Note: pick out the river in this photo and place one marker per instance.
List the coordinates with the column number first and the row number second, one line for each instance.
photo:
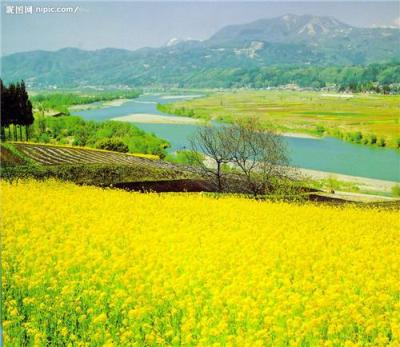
column 325, row 154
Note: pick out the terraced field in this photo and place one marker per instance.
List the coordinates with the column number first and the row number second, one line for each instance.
column 87, row 166
column 56, row 155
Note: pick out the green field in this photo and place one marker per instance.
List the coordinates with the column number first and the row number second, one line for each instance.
column 317, row 113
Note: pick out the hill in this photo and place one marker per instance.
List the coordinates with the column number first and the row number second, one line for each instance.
column 287, row 41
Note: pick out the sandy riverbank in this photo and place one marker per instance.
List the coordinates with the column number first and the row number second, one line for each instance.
column 115, row 102
column 99, row 105
column 168, row 97
column 301, row 136
column 156, row 119
column 364, row 183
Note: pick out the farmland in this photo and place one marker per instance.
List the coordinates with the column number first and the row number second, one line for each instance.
column 85, row 165
column 315, row 113
column 116, row 268
column 54, row 155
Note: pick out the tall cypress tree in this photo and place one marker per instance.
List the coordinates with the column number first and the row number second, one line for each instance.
column 13, row 108
column 26, row 109
column 16, row 110
column 4, row 113
column 20, row 108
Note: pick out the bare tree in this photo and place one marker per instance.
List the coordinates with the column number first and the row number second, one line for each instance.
column 260, row 154
column 257, row 158
column 211, row 141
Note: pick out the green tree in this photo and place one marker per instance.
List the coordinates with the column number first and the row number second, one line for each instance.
column 12, row 108
column 25, row 110
column 4, row 114
column 16, row 110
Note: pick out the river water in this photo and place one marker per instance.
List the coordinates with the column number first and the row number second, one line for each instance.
column 325, row 154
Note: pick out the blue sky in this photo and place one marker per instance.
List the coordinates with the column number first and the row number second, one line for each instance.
column 131, row 25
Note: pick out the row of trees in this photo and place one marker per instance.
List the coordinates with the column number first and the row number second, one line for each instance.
column 242, row 157
column 378, row 78
column 61, row 102
column 16, row 111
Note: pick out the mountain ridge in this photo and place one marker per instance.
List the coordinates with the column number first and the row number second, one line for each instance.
column 288, row 40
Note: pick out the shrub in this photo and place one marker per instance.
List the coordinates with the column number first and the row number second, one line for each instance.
column 381, row 142
column 372, row 139
column 89, row 133
column 355, row 137
column 320, row 130
column 44, row 138
column 113, row 144
column 63, row 141
column 96, row 174
column 396, row 190
column 183, row 157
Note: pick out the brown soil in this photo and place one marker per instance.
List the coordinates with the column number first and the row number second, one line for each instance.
column 181, row 185
column 8, row 158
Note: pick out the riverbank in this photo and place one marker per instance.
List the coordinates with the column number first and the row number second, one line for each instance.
column 182, row 97
column 99, row 105
column 358, row 118
column 300, row 136
column 363, row 183
column 312, row 151
column 156, row 119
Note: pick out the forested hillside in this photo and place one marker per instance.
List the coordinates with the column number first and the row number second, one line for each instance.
column 304, row 50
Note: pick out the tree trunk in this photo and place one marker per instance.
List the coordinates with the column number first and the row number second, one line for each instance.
column 3, row 134
column 219, row 177
column 15, row 132
column 27, row 133
column 20, row 132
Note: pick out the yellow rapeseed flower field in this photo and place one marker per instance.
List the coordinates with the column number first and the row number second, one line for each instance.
column 84, row 266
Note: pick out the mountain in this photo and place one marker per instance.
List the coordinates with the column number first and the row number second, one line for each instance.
column 318, row 40
column 286, row 41
column 288, row 28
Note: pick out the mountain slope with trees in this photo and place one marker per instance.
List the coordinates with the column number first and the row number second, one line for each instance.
column 266, row 47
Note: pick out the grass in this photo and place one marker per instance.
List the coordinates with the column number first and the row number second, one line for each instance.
column 333, row 184
column 396, row 191
column 313, row 113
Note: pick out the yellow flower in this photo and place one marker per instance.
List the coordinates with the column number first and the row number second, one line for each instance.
column 101, row 318
column 108, row 267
